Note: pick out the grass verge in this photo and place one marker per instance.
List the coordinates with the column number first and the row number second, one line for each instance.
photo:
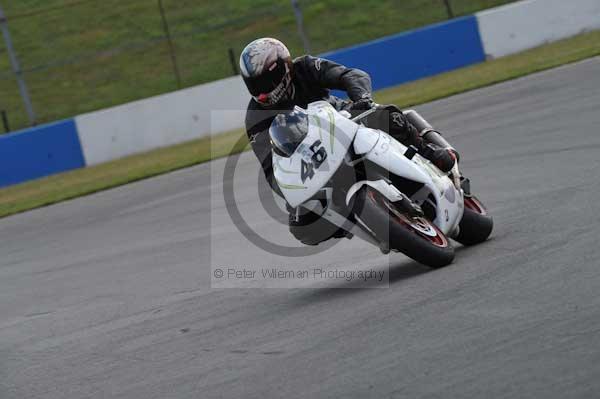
column 80, row 182
column 82, row 55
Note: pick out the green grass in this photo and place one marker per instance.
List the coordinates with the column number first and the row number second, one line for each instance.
column 99, row 53
column 79, row 182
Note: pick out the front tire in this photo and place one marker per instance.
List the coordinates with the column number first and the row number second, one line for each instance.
column 476, row 224
column 414, row 236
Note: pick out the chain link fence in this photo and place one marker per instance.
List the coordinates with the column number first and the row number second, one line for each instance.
column 81, row 55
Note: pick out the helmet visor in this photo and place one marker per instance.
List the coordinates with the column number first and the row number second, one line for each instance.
column 267, row 81
column 287, row 131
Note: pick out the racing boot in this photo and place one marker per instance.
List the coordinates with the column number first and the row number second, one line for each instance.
column 443, row 158
column 430, row 144
column 311, row 229
column 405, row 128
column 431, row 136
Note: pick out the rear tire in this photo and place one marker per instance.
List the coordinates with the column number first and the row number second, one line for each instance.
column 476, row 225
column 415, row 237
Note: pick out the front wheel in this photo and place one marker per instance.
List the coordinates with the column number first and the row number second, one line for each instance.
column 476, row 224
column 414, row 236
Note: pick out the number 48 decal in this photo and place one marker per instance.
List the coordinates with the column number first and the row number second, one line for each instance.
column 307, row 170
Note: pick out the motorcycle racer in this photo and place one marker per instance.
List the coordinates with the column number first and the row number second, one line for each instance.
column 277, row 84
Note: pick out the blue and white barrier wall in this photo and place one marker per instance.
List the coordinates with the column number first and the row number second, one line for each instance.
column 160, row 121
column 185, row 115
column 526, row 24
column 39, row 152
column 416, row 54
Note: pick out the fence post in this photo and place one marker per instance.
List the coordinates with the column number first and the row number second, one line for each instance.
column 234, row 67
column 16, row 68
column 449, row 9
column 161, row 9
column 300, row 23
column 5, row 121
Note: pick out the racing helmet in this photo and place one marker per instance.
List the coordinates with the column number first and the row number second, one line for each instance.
column 266, row 67
column 287, row 131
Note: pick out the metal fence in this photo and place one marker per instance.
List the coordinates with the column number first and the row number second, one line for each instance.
column 70, row 57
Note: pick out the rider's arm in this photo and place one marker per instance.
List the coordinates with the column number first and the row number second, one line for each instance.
column 331, row 75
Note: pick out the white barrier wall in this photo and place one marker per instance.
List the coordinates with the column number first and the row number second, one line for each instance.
column 161, row 121
column 526, row 24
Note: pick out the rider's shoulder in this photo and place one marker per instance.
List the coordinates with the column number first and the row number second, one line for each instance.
column 304, row 61
column 253, row 113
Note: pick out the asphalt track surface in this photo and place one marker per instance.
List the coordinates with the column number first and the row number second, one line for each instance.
column 110, row 295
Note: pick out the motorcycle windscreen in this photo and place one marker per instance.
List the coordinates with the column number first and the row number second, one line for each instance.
column 316, row 158
column 287, row 131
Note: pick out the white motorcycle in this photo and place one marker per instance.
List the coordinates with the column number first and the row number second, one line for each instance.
column 364, row 181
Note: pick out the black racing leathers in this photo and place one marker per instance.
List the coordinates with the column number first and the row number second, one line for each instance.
column 312, row 79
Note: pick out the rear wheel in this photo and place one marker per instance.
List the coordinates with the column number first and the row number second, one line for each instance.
column 476, row 225
column 415, row 236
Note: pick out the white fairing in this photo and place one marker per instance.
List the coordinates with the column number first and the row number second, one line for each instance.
column 331, row 132
column 296, row 176
column 389, row 154
column 388, row 190
column 365, row 140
